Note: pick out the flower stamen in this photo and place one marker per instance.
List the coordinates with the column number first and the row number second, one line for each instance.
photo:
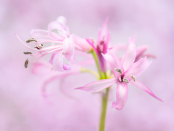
column 26, row 63
column 37, row 47
column 132, row 76
column 31, row 40
column 118, row 70
column 125, row 80
column 26, row 53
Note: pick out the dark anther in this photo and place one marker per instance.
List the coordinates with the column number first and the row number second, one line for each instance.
column 26, row 53
column 26, row 63
column 37, row 47
column 30, row 40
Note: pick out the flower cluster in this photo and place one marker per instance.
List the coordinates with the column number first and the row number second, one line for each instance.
column 62, row 46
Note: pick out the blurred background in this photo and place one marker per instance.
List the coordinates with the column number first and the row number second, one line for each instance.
column 22, row 107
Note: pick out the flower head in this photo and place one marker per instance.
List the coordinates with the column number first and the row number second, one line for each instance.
column 62, row 47
column 102, row 44
column 125, row 72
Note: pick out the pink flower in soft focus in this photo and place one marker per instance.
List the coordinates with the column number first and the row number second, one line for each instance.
column 102, row 44
column 64, row 50
column 43, row 69
column 125, row 71
column 57, row 33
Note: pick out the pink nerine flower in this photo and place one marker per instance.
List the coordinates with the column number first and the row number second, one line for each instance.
column 62, row 44
column 102, row 44
column 65, row 50
column 125, row 71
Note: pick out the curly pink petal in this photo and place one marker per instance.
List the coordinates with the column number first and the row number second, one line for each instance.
column 67, row 66
column 40, row 35
column 92, row 45
column 52, row 57
column 144, row 88
column 62, row 29
column 137, row 68
column 113, row 62
column 41, row 68
column 55, row 76
column 56, row 36
column 130, row 55
column 106, row 44
column 97, row 85
column 103, row 32
column 140, row 52
column 58, row 62
column 82, row 43
column 68, row 48
column 61, row 19
column 121, row 96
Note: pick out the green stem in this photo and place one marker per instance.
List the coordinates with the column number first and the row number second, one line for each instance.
column 97, row 64
column 104, row 110
column 103, row 75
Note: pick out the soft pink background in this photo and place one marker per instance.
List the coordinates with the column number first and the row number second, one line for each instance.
column 22, row 108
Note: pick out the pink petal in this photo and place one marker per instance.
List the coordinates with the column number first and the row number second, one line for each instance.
column 97, row 85
column 138, row 68
column 130, row 55
column 140, row 52
column 106, row 44
column 62, row 29
column 56, row 36
column 113, row 62
column 56, row 76
column 40, row 35
column 66, row 66
column 144, row 88
column 52, row 57
column 103, row 32
column 82, row 43
column 41, row 68
column 58, row 64
column 61, row 19
column 68, row 48
column 92, row 45
column 103, row 36
column 121, row 96
column 117, row 48
column 149, row 56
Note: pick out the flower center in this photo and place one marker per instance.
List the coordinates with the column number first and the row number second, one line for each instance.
column 122, row 79
column 100, row 46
